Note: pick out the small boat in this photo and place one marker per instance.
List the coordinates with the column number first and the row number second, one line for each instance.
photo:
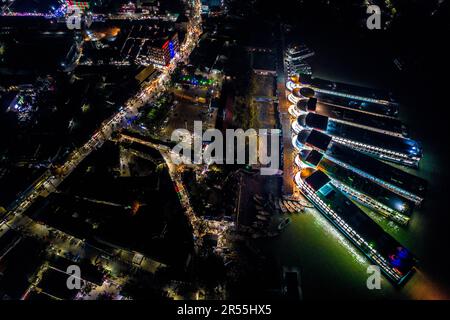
column 258, row 201
column 282, row 207
column 292, row 288
column 297, row 207
column 299, row 201
column 288, row 207
column 276, row 204
column 283, row 224
column 398, row 64
column 258, row 225
column 264, row 213
column 260, row 217
column 257, row 197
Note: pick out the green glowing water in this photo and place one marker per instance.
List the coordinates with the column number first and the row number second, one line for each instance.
column 332, row 268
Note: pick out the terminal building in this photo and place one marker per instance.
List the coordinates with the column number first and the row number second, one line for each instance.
column 395, row 261
column 398, row 181
column 149, row 45
column 295, row 59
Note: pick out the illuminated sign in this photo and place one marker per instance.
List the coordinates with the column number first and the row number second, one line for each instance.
column 83, row 5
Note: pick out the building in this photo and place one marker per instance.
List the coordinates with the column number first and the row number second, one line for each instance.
column 146, row 75
column 82, row 5
column 295, row 59
column 152, row 44
column 127, row 8
column 263, row 63
column 212, row 6
column 161, row 55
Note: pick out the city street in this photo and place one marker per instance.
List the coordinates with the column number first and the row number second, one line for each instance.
column 48, row 183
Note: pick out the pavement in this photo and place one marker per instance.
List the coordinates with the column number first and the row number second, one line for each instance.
column 263, row 100
column 283, row 106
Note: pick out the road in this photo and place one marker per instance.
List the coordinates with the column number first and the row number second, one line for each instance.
column 48, row 183
column 199, row 225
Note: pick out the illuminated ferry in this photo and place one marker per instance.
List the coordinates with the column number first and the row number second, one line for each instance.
column 394, row 260
column 385, row 147
column 338, row 88
column 389, row 126
column 402, row 183
column 378, row 107
column 359, row 188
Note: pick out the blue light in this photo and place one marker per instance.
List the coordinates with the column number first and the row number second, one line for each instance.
column 395, row 261
column 402, row 253
column 172, row 50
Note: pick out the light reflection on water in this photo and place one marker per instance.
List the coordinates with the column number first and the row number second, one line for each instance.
column 421, row 287
column 331, row 266
column 330, row 230
column 312, row 229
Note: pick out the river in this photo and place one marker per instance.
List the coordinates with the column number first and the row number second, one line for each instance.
column 331, row 267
